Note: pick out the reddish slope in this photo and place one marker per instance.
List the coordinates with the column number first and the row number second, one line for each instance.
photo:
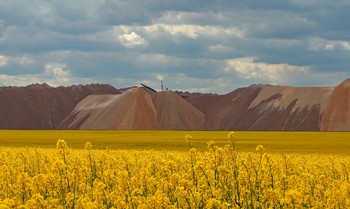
column 262, row 107
column 204, row 102
column 173, row 112
column 230, row 111
column 268, row 107
column 40, row 106
column 336, row 116
column 135, row 109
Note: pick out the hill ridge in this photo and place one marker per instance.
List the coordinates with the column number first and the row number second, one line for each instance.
column 101, row 106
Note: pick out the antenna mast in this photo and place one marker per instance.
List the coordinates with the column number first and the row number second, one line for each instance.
column 163, row 87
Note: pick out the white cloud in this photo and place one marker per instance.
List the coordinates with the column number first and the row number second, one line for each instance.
column 58, row 73
column 195, row 24
column 16, row 61
column 319, row 44
column 18, row 80
column 129, row 37
column 195, row 39
column 248, row 68
column 194, row 31
column 159, row 77
column 132, row 40
column 54, row 74
column 203, row 85
column 219, row 48
column 3, row 60
column 25, row 60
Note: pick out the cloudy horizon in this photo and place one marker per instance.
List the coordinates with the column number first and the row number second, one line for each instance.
column 199, row 46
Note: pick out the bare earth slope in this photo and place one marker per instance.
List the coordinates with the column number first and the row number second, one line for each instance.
column 231, row 111
column 136, row 108
column 257, row 107
column 267, row 107
column 204, row 102
column 336, row 116
column 40, row 106
column 133, row 109
column 173, row 112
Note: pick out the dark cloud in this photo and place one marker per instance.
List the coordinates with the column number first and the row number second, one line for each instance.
column 209, row 45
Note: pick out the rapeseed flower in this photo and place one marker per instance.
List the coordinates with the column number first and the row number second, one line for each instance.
column 49, row 178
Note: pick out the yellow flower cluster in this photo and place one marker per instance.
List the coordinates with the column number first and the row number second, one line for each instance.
column 218, row 178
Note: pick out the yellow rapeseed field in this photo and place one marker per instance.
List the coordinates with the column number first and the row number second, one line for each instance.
column 218, row 177
column 273, row 141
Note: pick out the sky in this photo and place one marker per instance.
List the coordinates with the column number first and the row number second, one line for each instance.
column 211, row 46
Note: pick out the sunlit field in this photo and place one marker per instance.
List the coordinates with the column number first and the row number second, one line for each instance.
column 282, row 142
column 174, row 169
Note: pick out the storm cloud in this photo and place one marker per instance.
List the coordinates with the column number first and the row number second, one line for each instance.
column 205, row 46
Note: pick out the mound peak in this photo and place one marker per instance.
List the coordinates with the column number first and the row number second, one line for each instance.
column 100, row 106
column 267, row 107
column 136, row 108
column 39, row 86
column 336, row 116
column 125, row 111
column 40, row 106
column 173, row 112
